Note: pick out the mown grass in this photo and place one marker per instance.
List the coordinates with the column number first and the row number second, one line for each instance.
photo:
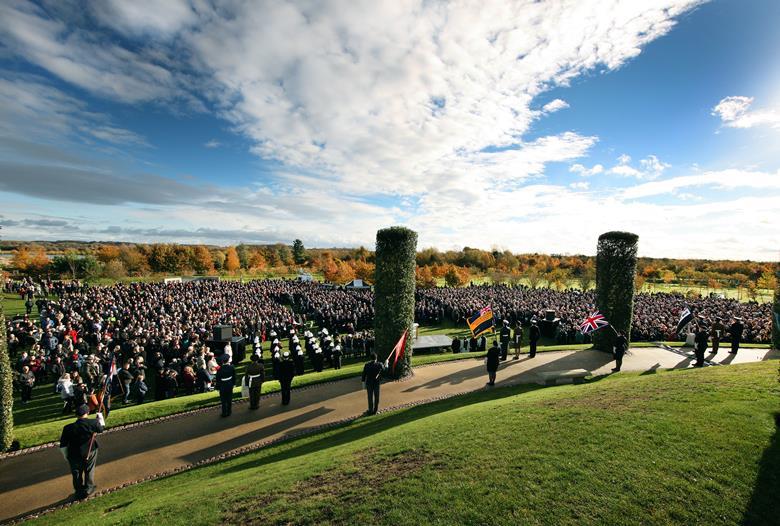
column 677, row 447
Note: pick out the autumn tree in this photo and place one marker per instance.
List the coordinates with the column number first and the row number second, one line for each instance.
column 364, row 270
column 106, row 253
column 456, row 276
column 424, row 277
column 134, row 260
column 202, row 261
column 257, row 260
column 232, row 263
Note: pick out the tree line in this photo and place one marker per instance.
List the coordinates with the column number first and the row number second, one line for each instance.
column 339, row 265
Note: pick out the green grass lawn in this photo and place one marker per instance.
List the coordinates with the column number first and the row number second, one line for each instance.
column 676, row 447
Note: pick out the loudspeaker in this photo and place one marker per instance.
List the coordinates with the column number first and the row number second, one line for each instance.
column 549, row 314
column 223, row 332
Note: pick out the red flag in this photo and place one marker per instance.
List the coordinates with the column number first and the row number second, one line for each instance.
column 399, row 348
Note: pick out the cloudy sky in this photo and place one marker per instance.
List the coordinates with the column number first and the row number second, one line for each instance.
column 532, row 126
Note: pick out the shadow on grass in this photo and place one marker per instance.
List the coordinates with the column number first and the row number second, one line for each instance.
column 369, row 426
column 764, row 506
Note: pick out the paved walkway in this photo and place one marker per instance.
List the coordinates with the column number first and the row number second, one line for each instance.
column 39, row 480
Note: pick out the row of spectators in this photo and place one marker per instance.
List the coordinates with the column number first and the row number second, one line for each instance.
column 655, row 314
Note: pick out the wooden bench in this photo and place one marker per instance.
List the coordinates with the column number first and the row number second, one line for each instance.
column 566, row 376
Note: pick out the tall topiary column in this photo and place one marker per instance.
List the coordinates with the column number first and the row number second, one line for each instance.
column 776, row 311
column 615, row 273
column 396, row 248
column 6, row 390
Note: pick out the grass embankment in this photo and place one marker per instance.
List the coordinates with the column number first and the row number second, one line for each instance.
column 678, row 447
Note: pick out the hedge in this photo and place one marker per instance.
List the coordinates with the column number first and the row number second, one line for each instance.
column 6, row 390
column 615, row 274
column 396, row 249
column 776, row 311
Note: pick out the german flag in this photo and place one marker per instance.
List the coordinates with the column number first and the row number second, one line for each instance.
column 482, row 322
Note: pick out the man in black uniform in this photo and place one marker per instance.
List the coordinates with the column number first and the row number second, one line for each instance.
column 506, row 332
column 700, row 345
column 491, row 360
column 80, row 449
column 286, row 375
column 736, row 334
column 226, row 380
column 337, row 353
column 621, row 345
column 255, row 374
column 455, row 345
column 533, row 337
column 372, row 378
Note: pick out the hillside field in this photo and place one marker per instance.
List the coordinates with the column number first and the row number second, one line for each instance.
column 677, row 447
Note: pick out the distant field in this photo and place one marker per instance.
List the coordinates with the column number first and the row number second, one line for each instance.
column 681, row 447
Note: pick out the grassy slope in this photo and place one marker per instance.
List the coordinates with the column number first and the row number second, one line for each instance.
column 681, row 447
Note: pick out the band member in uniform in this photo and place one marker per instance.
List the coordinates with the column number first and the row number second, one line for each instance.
column 716, row 332
column 79, row 447
column 337, row 353
column 506, row 332
column 518, row 339
column 736, row 334
column 286, row 375
column 318, row 360
column 621, row 346
column 533, row 337
column 491, row 361
column 372, row 379
column 700, row 344
column 255, row 373
column 226, row 380
column 298, row 359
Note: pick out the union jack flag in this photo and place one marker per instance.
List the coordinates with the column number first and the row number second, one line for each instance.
column 593, row 322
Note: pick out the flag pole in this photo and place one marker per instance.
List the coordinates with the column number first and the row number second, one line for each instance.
column 100, row 407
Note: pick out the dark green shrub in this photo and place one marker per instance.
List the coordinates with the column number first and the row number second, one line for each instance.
column 776, row 311
column 6, row 390
column 615, row 272
column 396, row 249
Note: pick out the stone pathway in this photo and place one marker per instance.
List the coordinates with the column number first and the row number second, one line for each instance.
column 40, row 480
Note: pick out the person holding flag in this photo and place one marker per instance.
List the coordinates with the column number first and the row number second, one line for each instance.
column 372, row 373
column 79, row 447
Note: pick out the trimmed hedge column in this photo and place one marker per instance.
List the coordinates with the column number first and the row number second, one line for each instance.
column 396, row 248
column 615, row 273
column 776, row 311
column 6, row 391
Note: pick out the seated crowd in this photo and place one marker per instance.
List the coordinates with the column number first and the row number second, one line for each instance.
column 157, row 332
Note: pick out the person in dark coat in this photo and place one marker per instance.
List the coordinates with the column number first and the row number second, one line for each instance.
column 482, row 343
column 456, row 345
column 286, row 375
column 226, row 380
column 255, row 374
column 80, row 449
column 700, row 345
column 506, row 332
column 372, row 379
column 491, row 360
column 621, row 346
column 139, row 389
column 735, row 331
column 533, row 338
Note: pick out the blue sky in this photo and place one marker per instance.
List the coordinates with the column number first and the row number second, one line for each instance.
column 528, row 126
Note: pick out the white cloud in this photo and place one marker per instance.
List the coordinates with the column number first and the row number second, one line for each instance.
column 724, row 180
column 580, row 185
column 734, row 112
column 213, row 143
column 586, row 172
column 651, row 167
column 555, row 105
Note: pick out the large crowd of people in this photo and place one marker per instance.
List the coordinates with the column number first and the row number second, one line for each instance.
column 158, row 332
